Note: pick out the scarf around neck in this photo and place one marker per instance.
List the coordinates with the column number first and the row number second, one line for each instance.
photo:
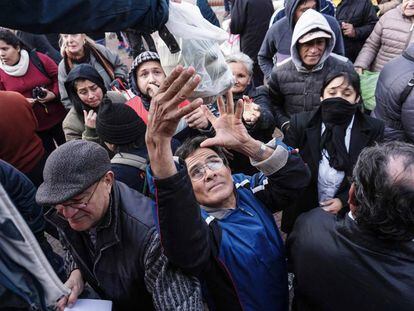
column 19, row 69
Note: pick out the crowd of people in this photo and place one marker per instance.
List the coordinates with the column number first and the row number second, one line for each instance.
column 283, row 192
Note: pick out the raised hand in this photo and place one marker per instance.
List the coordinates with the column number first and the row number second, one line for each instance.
column 251, row 111
column 230, row 130
column 164, row 113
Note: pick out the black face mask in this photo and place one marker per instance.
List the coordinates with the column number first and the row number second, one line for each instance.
column 337, row 110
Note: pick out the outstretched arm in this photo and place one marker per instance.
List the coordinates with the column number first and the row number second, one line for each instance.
column 164, row 116
column 231, row 132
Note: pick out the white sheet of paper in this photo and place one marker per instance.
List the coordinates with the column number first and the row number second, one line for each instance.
column 91, row 305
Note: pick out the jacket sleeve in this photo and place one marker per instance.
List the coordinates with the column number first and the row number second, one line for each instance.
column 238, row 16
column 407, row 117
column 293, row 134
column 62, row 75
column 277, row 101
column 168, row 285
column 184, row 234
column 52, row 70
column 370, row 19
column 22, row 193
column 120, row 69
column 267, row 52
column 339, row 47
column 286, row 180
column 266, row 119
column 371, row 47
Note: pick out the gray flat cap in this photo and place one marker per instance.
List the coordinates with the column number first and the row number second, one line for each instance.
column 71, row 169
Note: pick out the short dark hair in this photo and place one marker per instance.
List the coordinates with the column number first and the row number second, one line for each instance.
column 385, row 203
column 190, row 145
column 350, row 77
column 10, row 38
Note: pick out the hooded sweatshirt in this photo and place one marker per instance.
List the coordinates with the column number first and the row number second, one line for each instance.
column 74, row 123
column 294, row 88
column 278, row 38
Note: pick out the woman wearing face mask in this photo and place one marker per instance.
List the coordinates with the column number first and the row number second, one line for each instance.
column 86, row 91
column 80, row 49
column 330, row 140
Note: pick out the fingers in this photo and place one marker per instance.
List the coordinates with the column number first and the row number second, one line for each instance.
column 61, row 304
column 73, row 296
column 180, row 87
column 195, row 115
column 210, row 142
column 239, row 109
column 220, row 105
column 85, row 114
column 170, row 79
column 230, row 103
column 189, row 108
column 209, row 115
column 188, row 88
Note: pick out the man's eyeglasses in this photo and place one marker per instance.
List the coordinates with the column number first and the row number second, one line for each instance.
column 198, row 172
column 77, row 205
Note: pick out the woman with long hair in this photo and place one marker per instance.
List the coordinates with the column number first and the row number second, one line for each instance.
column 80, row 49
column 35, row 76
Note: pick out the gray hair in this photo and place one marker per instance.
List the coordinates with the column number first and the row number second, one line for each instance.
column 385, row 202
column 241, row 58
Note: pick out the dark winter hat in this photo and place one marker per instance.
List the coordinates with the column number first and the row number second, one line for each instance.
column 71, row 169
column 119, row 124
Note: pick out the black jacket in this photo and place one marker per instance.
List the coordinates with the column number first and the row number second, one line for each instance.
column 397, row 116
column 362, row 15
column 250, row 19
column 339, row 266
column 305, row 134
column 292, row 91
column 262, row 130
column 118, row 271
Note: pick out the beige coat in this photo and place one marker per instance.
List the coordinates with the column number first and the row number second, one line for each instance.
column 390, row 37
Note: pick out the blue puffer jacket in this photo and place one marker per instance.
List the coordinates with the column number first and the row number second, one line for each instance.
column 47, row 16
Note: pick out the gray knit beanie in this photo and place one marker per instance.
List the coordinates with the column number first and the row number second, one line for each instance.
column 71, row 169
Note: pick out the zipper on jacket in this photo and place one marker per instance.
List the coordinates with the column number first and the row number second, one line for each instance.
column 246, row 211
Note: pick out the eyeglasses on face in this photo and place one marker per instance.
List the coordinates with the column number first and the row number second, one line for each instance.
column 199, row 171
column 77, row 205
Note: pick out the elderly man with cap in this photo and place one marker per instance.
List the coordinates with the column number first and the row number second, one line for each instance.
column 295, row 85
column 108, row 231
column 145, row 78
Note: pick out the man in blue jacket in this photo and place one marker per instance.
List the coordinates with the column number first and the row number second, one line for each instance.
column 214, row 225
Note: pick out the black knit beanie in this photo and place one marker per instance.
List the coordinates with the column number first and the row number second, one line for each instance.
column 119, row 124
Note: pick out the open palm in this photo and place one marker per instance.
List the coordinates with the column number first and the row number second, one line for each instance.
column 230, row 130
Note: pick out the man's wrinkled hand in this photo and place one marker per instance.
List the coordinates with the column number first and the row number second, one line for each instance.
column 164, row 113
column 76, row 284
column 230, row 130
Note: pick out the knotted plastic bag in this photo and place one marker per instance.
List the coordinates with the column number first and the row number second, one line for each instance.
column 199, row 41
